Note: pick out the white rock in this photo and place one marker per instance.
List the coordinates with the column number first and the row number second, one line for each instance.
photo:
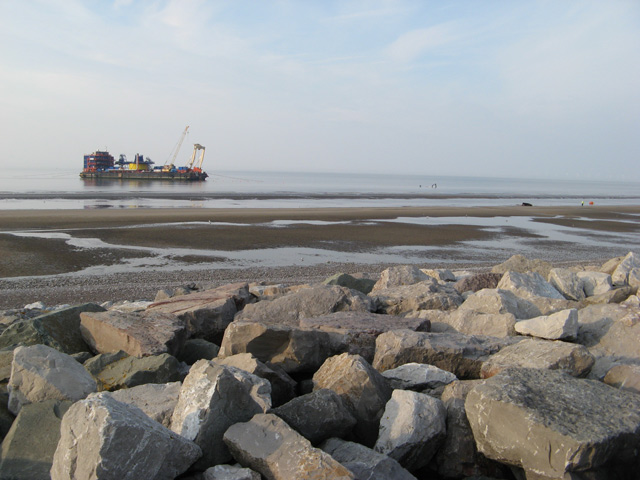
column 528, row 285
column 418, row 376
column 557, row 326
column 41, row 373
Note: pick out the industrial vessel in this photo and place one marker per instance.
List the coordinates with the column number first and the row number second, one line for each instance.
column 101, row 165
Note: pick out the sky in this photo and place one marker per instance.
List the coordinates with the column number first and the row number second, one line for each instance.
column 540, row 89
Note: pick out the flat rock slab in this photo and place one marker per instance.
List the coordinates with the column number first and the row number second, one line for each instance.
column 549, row 423
column 268, row 445
column 541, row 354
column 561, row 325
column 156, row 400
column 418, row 377
column 106, row 439
column 462, row 355
column 138, row 334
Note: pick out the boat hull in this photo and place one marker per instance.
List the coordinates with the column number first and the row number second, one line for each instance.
column 178, row 176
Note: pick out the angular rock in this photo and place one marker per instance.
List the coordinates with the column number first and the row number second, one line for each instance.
column 230, row 472
column 457, row 353
column 497, row 302
column 427, row 295
column 412, row 428
column 317, row 415
column 527, row 285
column 568, row 283
column 440, row 274
column 167, row 293
column 363, row 390
column 595, row 283
column 309, row 302
column 40, row 373
column 400, row 275
column 626, row 377
column 541, row 354
column 212, row 398
column 283, row 387
column 595, row 320
column 6, row 359
column 620, row 275
column 550, row 423
column 634, row 278
column 610, row 265
column 156, row 400
column 122, row 371
column 362, row 285
column 470, row 322
column 195, row 349
column 561, row 325
column 365, row 462
column 477, row 282
column 418, row 377
column 206, row 313
column 617, row 333
column 617, row 295
column 27, row 450
column 138, row 334
column 521, row 264
column 281, row 453
column 107, row 439
column 358, row 331
column 59, row 330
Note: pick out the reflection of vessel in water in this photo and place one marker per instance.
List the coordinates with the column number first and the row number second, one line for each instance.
column 101, row 165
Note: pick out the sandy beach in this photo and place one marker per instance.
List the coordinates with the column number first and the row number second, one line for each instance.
column 43, row 264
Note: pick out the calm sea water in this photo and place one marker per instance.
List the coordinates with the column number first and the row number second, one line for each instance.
column 64, row 189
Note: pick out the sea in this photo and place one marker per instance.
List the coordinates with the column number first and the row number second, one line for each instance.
column 64, row 189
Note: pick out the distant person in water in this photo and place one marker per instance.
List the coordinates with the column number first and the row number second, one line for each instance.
column 435, row 185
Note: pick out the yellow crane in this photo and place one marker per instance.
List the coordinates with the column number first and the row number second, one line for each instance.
column 169, row 166
column 191, row 163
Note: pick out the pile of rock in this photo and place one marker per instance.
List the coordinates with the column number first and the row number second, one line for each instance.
column 527, row 372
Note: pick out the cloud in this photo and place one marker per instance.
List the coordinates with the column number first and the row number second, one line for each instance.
column 411, row 45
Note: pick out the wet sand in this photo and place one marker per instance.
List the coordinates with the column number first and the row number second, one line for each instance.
column 349, row 230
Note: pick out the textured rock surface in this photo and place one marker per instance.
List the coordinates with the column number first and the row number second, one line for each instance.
column 41, row 373
column 427, row 295
column 363, row 390
column 550, row 423
column 527, row 285
column 474, row 323
column 122, row 371
column 364, row 462
column 417, row 377
column 362, row 285
column 561, row 325
column 626, row 377
column 400, row 275
column 195, row 349
column 309, row 302
column 412, row 428
column 620, row 275
column 521, row 264
column 156, row 400
column 495, row 302
column 317, row 415
column 138, row 334
column 107, row 439
column 541, row 354
column 281, row 453
column 567, row 283
column 457, row 353
column 27, row 451
column 230, row 472
column 477, row 282
column 212, row 398
column 595, row 283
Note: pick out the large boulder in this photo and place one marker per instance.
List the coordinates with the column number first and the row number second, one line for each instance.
column 412, row 428
column 496, row 301
column 521, row 264
column 462, row 355
column 541, row 354
column 156, row 400
column 195, row 349
column 470, row 322
column 309, row 302
column 206, row 313
column 400, row 275
column 212, row 398
column 283, row 387
column 363, row 285
column 59, row 330
column 418, row 377
column 40, row 373
column 428, row 295
column 620, row 275
column 138, row 334
column 27, row 450
column 317, row 415
column 118, row 370
column 527, row 285
column 281, row 453
column 595, row 283
column 567, row 283
column 363, row 390
column 477, row 282
column 610, row 330
column 365, row 462
column 550, row 423
column 561, row 325
column 107, row 439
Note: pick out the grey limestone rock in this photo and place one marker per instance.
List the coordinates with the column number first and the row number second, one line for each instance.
column 567, row 283
column 363, row 390
column 550, row 423
column 363, row 285
column 122, row 371
column 156, row 400
column 470, row 322
column 418, row 377
column 426, row 295
column 230, row 472
column 521, row 264
column 620, row 275
column 41, row 373
column 106, row 439
column 364, row 462
column 212, row 398
column 561, row 325
column 477, row 282
column 595, row 283
column 527, row 285
column 281, row 453
column 400, row 275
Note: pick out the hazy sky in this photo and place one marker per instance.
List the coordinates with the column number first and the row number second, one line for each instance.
column 483, row 88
